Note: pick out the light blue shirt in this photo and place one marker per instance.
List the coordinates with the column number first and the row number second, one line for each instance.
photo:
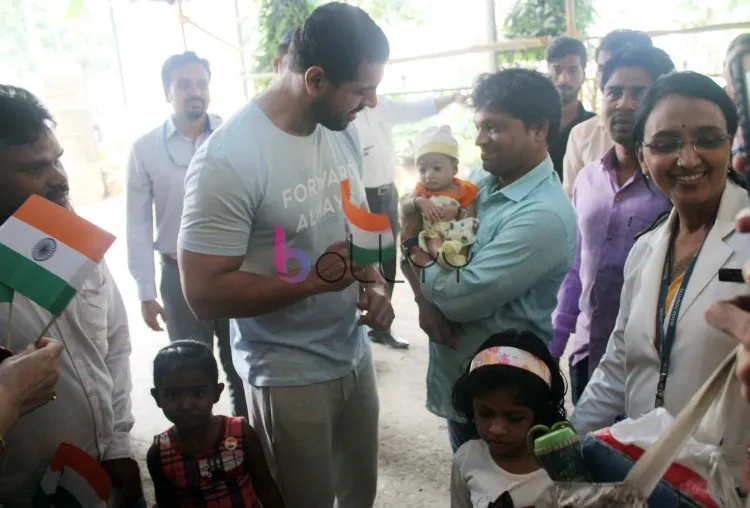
column 155, row 177
column 247, row 181
column 524, row 247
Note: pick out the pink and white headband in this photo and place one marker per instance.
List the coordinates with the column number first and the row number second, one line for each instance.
column 513, row 357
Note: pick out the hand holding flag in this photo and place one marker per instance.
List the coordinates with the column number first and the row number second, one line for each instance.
column 46, row 254
column 370, row 237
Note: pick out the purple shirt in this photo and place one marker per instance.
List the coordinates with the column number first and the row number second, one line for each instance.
column 608, row 219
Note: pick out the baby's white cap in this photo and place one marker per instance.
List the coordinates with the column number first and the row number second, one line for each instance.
column 435, row 140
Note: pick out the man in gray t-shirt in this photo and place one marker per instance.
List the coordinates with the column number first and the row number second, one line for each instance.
column 262, row 242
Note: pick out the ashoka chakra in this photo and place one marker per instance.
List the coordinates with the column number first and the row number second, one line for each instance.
column 44, row 249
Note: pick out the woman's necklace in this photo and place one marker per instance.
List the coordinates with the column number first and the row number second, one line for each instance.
column 678, row 267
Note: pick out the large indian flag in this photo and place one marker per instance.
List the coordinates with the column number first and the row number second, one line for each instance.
column 47, row 252
column 368, row 234
column 73, row 479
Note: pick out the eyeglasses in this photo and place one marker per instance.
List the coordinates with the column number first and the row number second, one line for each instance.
column 701, row 144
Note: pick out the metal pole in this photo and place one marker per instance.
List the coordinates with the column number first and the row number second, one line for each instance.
column 117, row 52
column 241, row 41
column 182, row 25
column 570, row 18
column 491, row 33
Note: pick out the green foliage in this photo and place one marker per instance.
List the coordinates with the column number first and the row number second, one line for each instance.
column 540, row 18
column 63, row 26
column 276, row 17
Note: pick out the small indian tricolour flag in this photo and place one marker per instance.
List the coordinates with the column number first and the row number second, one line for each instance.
column 74, row 479
column 369, row 235
column 47, row 252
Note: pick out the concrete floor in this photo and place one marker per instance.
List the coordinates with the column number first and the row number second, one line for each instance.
column 415, row 456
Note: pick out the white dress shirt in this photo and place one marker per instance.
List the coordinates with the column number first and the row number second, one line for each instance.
column 625, row 380
column 375, row 128
column 155, row 179
column 588, row 142
column 92, row 410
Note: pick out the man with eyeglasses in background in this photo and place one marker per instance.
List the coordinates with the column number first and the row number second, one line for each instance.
column 156, row 179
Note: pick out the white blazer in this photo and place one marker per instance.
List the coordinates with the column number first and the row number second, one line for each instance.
column 626, row 378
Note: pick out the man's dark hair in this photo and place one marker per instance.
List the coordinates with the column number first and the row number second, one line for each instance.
column 740, row 40
column 23, row 117
column 521, row 93
column 174, row 62
column 338, row 38
column 563, row 46
column 286, row 40
column 654, row 61
column 619, row 39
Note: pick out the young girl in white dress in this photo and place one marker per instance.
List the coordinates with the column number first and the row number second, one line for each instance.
column 512, row 384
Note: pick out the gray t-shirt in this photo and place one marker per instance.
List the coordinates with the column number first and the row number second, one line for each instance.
column 253, row 190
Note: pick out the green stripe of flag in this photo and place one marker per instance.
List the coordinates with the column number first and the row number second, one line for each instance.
column 6, row 294
column 370, row 256
column 34, row 282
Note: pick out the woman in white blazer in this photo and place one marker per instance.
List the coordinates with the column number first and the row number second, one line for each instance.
column 683, row 132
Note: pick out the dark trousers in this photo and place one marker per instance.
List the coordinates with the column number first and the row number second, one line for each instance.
column 384, row 199
column 579, row 378
column 182, row 325
column 459, row 433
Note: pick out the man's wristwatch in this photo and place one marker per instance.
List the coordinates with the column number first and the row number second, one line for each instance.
column 409, row 243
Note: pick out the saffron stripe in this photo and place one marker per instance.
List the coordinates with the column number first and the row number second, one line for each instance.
column 34, row 282
column 85, row 465
column 374, row 222
column 65, row 262
column 65, row 226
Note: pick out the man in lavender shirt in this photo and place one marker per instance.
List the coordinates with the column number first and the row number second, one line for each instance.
column 614, row 201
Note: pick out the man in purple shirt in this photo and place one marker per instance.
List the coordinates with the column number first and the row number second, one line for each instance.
column 614, row 201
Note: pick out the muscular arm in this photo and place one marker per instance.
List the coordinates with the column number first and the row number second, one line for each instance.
column 215, row 288
column 219, row 210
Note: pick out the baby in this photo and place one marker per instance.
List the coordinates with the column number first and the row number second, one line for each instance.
column 444, row 203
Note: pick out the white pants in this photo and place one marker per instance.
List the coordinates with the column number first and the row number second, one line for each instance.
column 321, row 440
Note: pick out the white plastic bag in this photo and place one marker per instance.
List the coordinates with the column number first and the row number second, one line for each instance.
column 644, row 431
column 702, row 416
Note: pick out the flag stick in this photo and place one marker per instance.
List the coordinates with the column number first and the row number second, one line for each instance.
column 9, row 326
column 46, row 329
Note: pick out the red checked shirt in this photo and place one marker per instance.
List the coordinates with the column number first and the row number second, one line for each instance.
column 217, row 478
